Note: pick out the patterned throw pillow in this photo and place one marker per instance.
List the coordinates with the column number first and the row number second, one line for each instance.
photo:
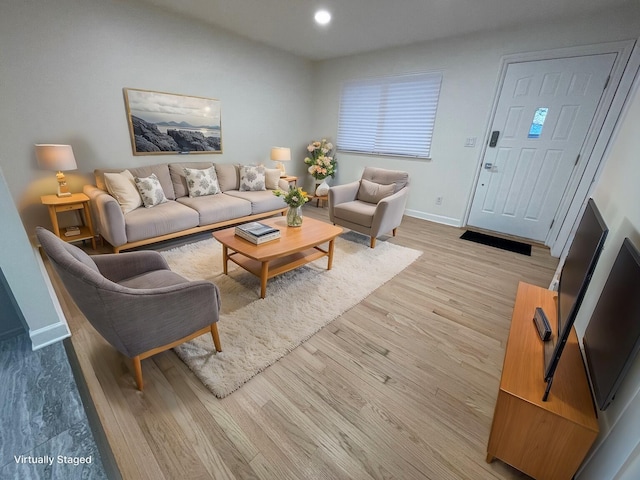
column 201, row 182
column 252, row 179
column 150, row 190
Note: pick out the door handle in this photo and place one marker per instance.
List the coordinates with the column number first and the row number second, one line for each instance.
column 488, row 166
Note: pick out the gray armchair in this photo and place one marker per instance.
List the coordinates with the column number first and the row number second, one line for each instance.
column 134, row 300
column 373, row 205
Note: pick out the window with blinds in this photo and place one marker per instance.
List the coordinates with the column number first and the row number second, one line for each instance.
column 389, row 115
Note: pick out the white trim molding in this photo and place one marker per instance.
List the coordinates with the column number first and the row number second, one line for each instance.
column 41, row 337
column 48, row 335
column 452, row 222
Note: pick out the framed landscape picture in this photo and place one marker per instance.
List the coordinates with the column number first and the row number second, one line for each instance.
column 167, row 123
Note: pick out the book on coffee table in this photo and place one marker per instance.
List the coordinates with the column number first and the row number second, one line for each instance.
column 257, row 232
column 261, row 239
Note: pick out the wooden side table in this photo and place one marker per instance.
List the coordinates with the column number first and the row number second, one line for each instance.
column 321, row 200
column 77, row 201
column 291, row 179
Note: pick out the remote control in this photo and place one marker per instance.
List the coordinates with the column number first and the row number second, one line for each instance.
column 542, row 324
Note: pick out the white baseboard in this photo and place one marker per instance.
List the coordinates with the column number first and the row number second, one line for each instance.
column 452, row 222
column 55, row 332
column 45, row 336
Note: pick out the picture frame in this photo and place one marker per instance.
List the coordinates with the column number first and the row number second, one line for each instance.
column 167, row 123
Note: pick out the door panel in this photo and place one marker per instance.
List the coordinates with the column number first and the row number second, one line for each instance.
column 543, row 114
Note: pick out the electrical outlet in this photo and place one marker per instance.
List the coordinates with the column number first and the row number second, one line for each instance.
column 438, row 200
column 470, row 142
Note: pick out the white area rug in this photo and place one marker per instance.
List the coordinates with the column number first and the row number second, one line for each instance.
column 256, row 333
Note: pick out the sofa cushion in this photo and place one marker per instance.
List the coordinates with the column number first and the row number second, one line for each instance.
column 168, row 217
column 371, row 192
column 217, row 208
column 178, row 180
column 228, row 176
column 261, row 201
column 153, row 279
column 252, row 179
column 160, row 170
column 360, row 213
column 150, row 191
column 122, row 187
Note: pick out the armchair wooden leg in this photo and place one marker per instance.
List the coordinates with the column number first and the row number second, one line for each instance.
column 373, row 242
column 216, row 337
column 394, row 231
column 137, row 366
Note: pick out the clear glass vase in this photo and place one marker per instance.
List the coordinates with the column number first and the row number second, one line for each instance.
column 294, row 217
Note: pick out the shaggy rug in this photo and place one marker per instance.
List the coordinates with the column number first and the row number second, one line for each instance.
column 256, row 333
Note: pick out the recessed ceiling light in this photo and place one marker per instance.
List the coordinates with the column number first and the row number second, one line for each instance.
column 322, row 17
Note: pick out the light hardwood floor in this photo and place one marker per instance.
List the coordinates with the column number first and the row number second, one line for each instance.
column 401, row 386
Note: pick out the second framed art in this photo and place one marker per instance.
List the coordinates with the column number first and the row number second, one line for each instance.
column 168, row 123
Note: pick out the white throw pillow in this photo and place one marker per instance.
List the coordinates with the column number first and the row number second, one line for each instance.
column 122, row 187
column 150, row 191
column 252, row 179
column 272, row 178
column 201, row 182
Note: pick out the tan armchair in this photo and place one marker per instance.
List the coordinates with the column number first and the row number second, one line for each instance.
column 373, row 205
column 134, row 300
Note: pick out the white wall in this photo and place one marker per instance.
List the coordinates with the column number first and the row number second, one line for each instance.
column 617, row 197
column 470, row 72
column 22, row 270
column 64, row 65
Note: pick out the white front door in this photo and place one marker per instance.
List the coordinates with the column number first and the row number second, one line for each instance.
column 542, row 118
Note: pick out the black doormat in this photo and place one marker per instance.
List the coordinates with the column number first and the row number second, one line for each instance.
column 510, row 245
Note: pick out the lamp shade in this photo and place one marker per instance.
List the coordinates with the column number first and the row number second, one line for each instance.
column 280, row 154
column 58, row 158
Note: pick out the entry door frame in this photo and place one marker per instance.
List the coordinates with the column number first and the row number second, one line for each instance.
column 584, row 175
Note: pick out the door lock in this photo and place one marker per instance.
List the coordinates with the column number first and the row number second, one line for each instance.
column 493, row 141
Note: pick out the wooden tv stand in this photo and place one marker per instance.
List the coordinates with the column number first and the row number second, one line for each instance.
column 546, row 440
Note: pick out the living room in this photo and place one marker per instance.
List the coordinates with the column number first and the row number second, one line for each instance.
column 65, row 65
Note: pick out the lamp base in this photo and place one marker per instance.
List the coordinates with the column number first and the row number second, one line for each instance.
column 280, row 166
column 63, row 189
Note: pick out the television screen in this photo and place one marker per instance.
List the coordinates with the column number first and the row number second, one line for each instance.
column 574, row 279
column 612, row 339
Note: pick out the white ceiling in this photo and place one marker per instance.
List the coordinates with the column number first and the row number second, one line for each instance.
column 365, row 25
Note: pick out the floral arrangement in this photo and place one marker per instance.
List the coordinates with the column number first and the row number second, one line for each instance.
column 322, row 163
column 295, row 197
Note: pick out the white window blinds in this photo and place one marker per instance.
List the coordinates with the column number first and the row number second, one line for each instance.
column 389, row 115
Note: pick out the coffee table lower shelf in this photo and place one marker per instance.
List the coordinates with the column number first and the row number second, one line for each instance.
column 269, row 269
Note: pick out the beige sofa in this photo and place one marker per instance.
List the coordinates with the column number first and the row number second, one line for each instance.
column 180, row 214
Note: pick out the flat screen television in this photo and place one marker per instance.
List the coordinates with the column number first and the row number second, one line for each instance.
column 574, row 279
column 612, row 339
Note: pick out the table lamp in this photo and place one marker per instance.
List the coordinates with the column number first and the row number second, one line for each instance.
column 58, row 158
column 279, row 155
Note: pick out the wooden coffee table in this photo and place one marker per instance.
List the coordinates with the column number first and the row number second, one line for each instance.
column 296, row 246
